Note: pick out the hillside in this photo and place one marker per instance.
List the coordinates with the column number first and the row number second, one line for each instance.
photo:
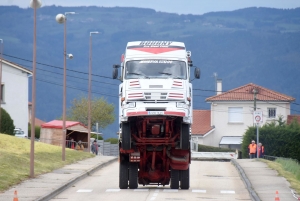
column 257, row 45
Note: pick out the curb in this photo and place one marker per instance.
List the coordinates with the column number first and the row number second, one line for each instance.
column 62, row 188
column 244, row 177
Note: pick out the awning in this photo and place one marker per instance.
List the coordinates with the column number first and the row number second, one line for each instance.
column 231, row 140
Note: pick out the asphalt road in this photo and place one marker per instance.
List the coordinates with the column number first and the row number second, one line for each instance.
column 209, row 181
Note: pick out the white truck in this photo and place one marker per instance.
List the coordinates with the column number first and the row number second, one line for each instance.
column 155, row 114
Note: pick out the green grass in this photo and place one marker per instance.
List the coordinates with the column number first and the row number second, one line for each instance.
column 288, row 169
column 15, row 159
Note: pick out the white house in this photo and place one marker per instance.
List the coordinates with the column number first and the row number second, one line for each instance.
column 232, row 113
column 14, row 97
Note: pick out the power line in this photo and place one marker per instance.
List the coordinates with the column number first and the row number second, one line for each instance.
column 56, row 66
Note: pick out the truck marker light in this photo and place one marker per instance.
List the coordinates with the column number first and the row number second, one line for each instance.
column 188, row 98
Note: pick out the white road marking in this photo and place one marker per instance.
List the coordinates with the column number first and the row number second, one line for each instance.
column 112, row 190
column 84, row 190
column 198, row 191
column 171, row 190
column 228, row 192
column 141, row 190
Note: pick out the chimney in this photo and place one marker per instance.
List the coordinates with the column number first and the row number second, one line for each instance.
column 219, row 86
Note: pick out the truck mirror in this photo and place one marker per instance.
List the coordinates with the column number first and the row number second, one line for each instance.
column 197, row 72
column 115, row 73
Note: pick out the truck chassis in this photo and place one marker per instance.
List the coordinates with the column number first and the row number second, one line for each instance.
column 154, row 150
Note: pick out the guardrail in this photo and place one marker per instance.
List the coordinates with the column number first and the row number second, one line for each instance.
column 214, row 155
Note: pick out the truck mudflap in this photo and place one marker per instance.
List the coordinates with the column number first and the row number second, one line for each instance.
column 179, row 159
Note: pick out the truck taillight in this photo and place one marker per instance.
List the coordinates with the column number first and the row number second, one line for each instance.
column 122, row 58
column 122, row 99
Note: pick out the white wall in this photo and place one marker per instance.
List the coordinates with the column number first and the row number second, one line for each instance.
column 219, row 118
column 16, row 96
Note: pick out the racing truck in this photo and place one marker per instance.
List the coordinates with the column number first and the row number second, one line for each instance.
column 155, row 114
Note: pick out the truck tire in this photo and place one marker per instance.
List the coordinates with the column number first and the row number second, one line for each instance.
column 126, row 136
column 185, row 179
column 174, row 179
column 123, row 174
column 185, row 137
column 133, row 175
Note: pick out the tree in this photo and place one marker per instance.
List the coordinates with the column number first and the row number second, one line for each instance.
column 37, row 131
column 7, row 124
column 101, row 112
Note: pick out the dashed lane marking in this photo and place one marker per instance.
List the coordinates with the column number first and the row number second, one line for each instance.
column 198, row 191
column 228, row 192
column 171, row 190
column 141, row 190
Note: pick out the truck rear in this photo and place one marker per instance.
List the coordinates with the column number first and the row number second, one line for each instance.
column 155, row 114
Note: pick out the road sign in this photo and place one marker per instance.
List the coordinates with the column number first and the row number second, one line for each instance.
column 258, row 117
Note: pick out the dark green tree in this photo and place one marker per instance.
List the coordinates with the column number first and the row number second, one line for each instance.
column 37, row 131
column 7, row 124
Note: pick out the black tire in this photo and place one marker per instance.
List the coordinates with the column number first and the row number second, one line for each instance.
column 126, row 136
column 185, row 136
column 185, row 179
column 133, row 175
column 123, row 174
column 174, row 179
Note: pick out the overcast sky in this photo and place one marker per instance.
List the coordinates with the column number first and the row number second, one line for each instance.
column 170, row 6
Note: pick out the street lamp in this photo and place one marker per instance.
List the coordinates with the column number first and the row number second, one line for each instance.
column 90, row 88
column 35, row 4
column 1, row 50
column 60, row 18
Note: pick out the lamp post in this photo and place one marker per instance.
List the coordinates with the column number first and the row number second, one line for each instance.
column 1, row 50
column 60, row 18
column 90, row 88
column 35, row 4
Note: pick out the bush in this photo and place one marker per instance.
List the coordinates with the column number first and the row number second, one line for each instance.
column 7, row 124
column 279, row 140
column 37, row 131
column 112, row 140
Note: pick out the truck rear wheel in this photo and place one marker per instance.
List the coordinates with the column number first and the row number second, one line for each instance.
column 185, row 137
column 123, row 174
column 126, row 136
column 174, row 179
column 185, row 179
column 133, row 175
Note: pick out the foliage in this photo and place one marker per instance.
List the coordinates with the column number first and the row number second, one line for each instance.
column 204, row 148
column 279, row 140
column 14, row 155
column 290, row 166
column 37, row 131
column 112, row 140
column 101, row 112
column 7, row 124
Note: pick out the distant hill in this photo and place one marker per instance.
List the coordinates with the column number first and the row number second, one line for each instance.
column 252, row 45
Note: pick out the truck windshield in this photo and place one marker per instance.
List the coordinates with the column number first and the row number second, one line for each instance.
column 161, row 69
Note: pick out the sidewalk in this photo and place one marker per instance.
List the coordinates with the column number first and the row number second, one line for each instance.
column 48, row 185
column 262, row 182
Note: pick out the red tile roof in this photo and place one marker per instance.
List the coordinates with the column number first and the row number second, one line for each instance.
column 201, row 122
column 38, row 122
column 59, row 124
column 290, row 118
column 245, row 93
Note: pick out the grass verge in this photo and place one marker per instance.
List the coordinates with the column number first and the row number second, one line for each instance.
column 288, row 169
column 15, row 159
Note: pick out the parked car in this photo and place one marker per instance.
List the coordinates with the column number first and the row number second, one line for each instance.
column 19, row 133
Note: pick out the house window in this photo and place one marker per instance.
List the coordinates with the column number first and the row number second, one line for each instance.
column 235, row 114
column 272, row 112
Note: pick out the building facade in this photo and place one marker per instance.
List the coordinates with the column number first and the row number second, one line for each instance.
column 14, row 93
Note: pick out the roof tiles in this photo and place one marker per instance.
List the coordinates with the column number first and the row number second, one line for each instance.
column 245, row 93
column 201, row 122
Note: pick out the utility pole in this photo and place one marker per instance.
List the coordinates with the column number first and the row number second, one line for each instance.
column 255, row 91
